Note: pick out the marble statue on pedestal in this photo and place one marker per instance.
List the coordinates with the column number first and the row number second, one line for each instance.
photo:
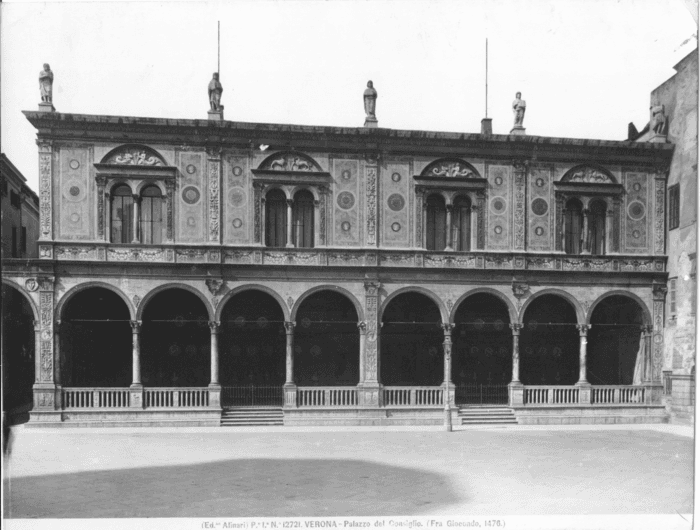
column 518, row 110
column 658, row 119
column 370, row 97
column 46, row 84
column 215, row 90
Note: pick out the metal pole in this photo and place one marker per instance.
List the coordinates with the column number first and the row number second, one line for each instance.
column 487, row 78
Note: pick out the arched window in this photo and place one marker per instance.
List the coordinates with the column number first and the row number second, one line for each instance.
column 461, row 224
column 596, row 227
column 573, row 220
column 303, row 219
column 435, row 223
column 151, row 221
column 276, row 219
column 122, row 215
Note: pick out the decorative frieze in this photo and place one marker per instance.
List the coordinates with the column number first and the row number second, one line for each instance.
column 76, row 253
column 585, row 264
column 291, row 258
column 148, row 255
column 238, row 257
column 397, row 260
column 495, row 261
column 190, row 255
column 547, row 264
column 345, row 259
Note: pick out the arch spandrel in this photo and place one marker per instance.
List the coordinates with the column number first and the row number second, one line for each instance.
column 450, row 168
column 153, row 292
column 444, row 314
column 286, row 161
column 23, row 292
column 219, row 309
column 65, row 298
column 512, row 311
column 589, row 174
column 644, row 308
column 335, row 288
column 134, row 155
column 580, row 313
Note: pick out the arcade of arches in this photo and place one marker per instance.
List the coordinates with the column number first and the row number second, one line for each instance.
column 173, row 344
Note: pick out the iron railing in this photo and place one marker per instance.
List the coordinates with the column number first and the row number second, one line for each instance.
column 477, row 394
column 252, row 396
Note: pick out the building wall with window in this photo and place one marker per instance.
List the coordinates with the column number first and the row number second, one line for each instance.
column 20, row 213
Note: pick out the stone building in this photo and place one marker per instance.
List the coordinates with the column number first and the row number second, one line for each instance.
column 357, row 276
column 678, row 99
column 19, row 213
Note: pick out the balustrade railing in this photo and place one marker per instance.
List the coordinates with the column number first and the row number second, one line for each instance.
column 617, row 394
column 95, row 398
column 175, row 397
column 551, row 395
column 252, row 396
column 397, row 396
column 478, row 394
column 327, row 396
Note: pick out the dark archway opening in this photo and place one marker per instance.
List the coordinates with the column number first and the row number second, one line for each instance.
column 482, row 346
column 549, row 343
column 411, row 342
column 175, row 341
column 326, row 341
column 615, row 349
column 18, row 342
column 96, row 340
column 252, row 353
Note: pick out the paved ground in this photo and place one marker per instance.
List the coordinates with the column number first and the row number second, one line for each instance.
column 319, row 472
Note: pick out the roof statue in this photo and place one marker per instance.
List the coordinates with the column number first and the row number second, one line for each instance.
column 370, row 99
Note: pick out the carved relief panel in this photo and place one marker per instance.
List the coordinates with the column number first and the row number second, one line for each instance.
column 393, row 205
column 75, row 193
column 191, row 198
column 498, row 207
column 236, row 200
column 540, row 225
column 636, row 212
column 346, row 202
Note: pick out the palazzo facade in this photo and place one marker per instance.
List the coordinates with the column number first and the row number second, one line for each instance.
column 357, row 276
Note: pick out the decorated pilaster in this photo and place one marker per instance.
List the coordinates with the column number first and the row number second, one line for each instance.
column 369, row 387
column 101, row 213
column 47, row 395
column 136, row 388
column 420, row 216
column 45, row 197
column 583, row 384
column 290, row 387
column 371, row 176
column 480, row 217
column 214, row 385
column 659, row 212
column 608, row 230
column 519, row 203
column 362, row 328
column 515, row 388
column 656, row 348
column 214, row 190
column 448, row 395
column 169, row 214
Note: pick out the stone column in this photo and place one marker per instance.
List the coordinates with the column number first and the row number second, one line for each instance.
column 585, row 245
column 370, row 388
column 448, row 396
column 290, row 387
column 583, row 384
column 559, row 223
column 47, row 395
column 420, row 221
column 108, row 220
column 480, row 220
column 101, row 183
column 169, row 215
column 448, row 229
column 136, row 388
column 608, row 231
column 214, row 385
column 290, row 223
column 515, row 387
column 362, row 327
column 57, row 352
column 137, row 204
column 656, row 344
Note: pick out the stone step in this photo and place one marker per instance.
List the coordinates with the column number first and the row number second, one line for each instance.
column 252, row 417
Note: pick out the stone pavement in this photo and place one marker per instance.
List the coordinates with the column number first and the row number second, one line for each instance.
column 214, row 472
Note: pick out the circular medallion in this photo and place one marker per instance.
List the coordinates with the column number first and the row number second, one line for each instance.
column 636, row 210
column 239, row 321
column 396, row 202
column 432, row 351
column 636, row 234
column 191, row 221
column 179, row 321
column 237, row 171
column 539, row 182
column 637, row 186
column 75, row 218
column 190, row 169
column 396, row 177
column 46, row 334
column 236, row 197
column 237, row 223
column 542, row 352
column 488, row 351
column 503, row 351
column 556, row 351
column 191, row 195
column 498, row 205
column 191, row 350
column 479, row 324
column 528, row 351
column 346, row 174
column 539, row 231
column 498, row 229
column 499, row 181
column 345, row 226
column 174, row 350
column 31, row 284
column 306, row 322
column 532, row 325
column 74, row 191
column 539, row 206
column 262, row 322
column 498, row 325
column 658, row 339
column 396, row 227
column 315, row 350
column 346, row 200
column 74, row 164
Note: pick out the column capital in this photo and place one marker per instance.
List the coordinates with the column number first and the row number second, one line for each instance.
column 135, row 325
column 372, row 288
column 647, row 329
column 362, row 326
column 136, row 197
column 56, row 326
column 447, row 329
column 583, row 329
column 516, row 327
column 289, row 327
column 214, row 326
column 290, row 202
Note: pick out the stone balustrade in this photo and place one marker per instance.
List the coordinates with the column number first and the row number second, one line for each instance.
column 617, row 394
column 550, row 395
column 95, row 398
column 408, row 396
column 335, row 396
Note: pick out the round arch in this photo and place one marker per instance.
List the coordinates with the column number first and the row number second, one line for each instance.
column 126, row 152
column 149, row 296
column 580, row 314
column 120, row 182
column 312, row 190
column 420, row 290
column 589, row 173
column 250, row 287
column 290, row 161
column 26, row 296
column 272, row 187
column 147, row 183
column 512, row 312
column 646, row 314
column 335, row 288
column 88, row 285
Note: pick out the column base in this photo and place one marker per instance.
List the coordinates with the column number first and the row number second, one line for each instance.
column 290, row 395
column 653, row 393
column 215, row 395
column 584, row 392
column 136, row 396
column 369, row 394
column 516, row 393
column 47, row 396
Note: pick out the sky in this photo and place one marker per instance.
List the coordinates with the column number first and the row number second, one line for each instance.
column 585, row 67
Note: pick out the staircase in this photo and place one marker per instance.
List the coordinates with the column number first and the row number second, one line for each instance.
column 252, row 416
column 487, row 416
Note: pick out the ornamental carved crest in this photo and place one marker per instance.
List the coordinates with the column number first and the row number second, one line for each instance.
column 588, row 175
column 450, row 168
column 290, row 162
column 134, row 155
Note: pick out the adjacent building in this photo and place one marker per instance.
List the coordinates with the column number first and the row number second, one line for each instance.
column 19, row 213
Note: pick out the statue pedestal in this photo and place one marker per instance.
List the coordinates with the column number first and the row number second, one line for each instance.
column 371, row 122
column 658, row 139
column 486, row 127
column 46, row 107
column 216, row 115
column 518, row 129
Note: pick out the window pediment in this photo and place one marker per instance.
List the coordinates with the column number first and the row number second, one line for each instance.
column 134, row 162
column 585, row 174
column 450, row 168
column 133, row 155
